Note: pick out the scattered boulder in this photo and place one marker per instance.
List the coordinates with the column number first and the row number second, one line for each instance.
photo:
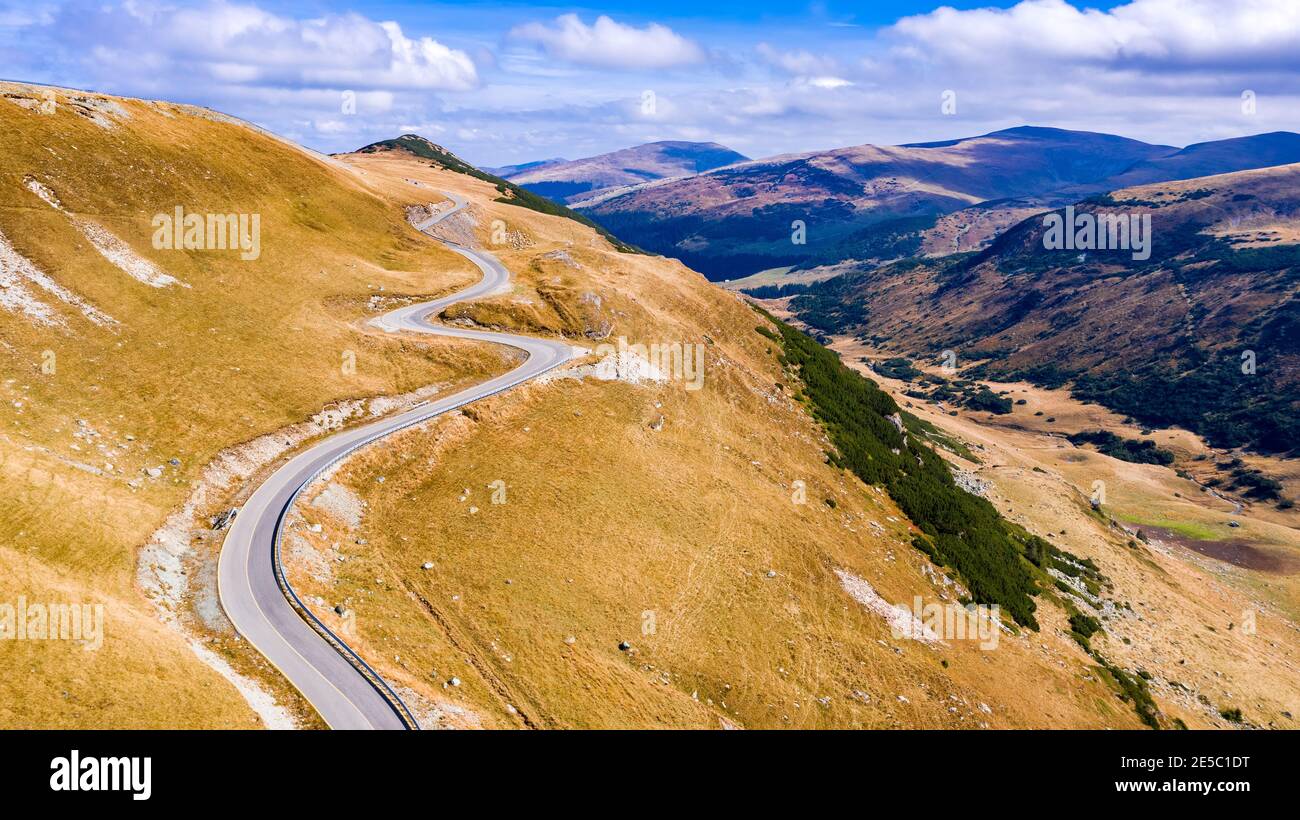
column 971, row 483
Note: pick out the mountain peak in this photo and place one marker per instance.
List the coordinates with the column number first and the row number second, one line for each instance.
column 1037, row 133
column 412, row 143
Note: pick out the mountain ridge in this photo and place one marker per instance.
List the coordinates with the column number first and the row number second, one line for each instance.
column 883, row 202
column 727, row 552
column 511, row 193
column 738, row 219
column 571, row 180
column 1157, row 338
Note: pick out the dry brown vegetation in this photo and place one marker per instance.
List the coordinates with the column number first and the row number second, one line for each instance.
column 637, row 512
column 658, row 516
column 184, row 373
column 1189, row 608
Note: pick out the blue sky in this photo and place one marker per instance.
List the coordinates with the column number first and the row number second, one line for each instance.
column 503, row 82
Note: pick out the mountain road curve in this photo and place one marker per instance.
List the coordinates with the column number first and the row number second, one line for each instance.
column 253, row 589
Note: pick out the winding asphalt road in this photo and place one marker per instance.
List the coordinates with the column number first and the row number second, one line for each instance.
column 346, row 692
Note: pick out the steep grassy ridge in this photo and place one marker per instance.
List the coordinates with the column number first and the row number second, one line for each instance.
column 704, row 529
column 871, row 439
column 174, row 374
column 510, row 192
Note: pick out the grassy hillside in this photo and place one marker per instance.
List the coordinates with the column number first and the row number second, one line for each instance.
column 960, row 529
column 1200, row 609
column 608, row 547
column 119, row 395
column 1166, row 340
column 861, row 202
column 704, row 529
column 510, row 192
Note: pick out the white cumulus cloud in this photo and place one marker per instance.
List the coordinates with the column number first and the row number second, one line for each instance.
column 1142, row 34
column 610, row 44
column 245, row 45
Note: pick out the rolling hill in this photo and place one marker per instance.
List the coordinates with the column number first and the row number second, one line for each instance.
column 870, row 203
column 1162, row 339
column 507, row 171
column 1205, row 159
column 418, row 146
column 145, row 381
column 622, row 544
column 853, row 202
column 580, row 180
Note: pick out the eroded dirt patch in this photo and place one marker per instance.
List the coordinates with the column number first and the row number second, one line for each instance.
column 1234, row 551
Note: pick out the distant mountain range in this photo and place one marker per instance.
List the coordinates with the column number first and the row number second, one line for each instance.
column 572, row 181
column 1209, row 158
column 507, row 171
column 934, row 246
column 878, row 203
column 940, row 245
column 1203, row 333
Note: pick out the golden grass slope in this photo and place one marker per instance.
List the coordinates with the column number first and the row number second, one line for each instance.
column 635, row 510
column 644, row 513
column 1212, row 635
column 182, row 373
